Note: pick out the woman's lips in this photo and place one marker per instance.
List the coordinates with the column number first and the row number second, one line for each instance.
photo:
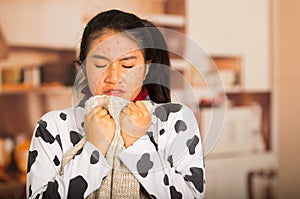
column 114, row 92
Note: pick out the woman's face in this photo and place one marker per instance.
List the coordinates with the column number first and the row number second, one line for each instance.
column 115, row 66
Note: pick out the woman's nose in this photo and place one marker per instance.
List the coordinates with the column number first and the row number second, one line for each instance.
column 112, row 74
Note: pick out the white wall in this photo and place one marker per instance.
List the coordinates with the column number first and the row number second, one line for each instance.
column 235, row 27
column 59, row 23
column 55, row 23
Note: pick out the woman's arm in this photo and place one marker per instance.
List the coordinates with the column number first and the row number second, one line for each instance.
column 52, row 138
column 172, row 165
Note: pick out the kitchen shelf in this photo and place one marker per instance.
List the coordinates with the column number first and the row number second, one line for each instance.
column 27, row 62
column 40, row 86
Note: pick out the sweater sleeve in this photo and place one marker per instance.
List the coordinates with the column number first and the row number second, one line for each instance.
column 82, row 175
column 172, row 165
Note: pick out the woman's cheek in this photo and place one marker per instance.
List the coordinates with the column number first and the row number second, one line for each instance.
column 93, row 80
column 92, row 85
column 134, row 80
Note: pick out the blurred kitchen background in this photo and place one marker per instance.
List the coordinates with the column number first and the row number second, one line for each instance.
column 255, row 45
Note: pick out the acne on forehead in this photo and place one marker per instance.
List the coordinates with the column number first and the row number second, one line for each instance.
column 115, row 46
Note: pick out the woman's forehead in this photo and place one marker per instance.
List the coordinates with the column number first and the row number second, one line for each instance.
column 113, row 46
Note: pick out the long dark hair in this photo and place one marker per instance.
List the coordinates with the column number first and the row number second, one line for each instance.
column 146, row 36
column 158, row 78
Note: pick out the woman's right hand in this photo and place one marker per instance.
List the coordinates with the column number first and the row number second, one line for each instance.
column 100, row 128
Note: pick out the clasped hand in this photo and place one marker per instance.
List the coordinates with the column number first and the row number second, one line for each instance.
column 100, row 127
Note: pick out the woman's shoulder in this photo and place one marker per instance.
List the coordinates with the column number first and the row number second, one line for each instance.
column 62, row 114
column 163, row 110
column 170, row 106
column 59, row 121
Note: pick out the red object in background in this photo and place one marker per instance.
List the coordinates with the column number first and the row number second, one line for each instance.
column 213, row 102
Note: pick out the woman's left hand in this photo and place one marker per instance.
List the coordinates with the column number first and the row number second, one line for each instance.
column 134, row 121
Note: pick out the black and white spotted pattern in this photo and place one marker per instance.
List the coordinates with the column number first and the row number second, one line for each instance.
column 167, row 160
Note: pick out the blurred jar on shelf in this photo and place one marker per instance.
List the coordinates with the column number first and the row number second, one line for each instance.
column 12, row 75
column 6, row 149
column 21, row 153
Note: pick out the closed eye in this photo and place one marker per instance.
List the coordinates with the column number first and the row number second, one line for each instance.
column 127, row 66
column 100, row 66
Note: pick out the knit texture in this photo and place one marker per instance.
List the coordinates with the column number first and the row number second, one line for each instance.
column 120, row 182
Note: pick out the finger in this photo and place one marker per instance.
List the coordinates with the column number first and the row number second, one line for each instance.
column 125, row 110
column 111, row 121
column 136, row 115
column 102, row 113
column 143, row 109
column 107, row 116
column 133, row 107
column 95, row 110
column 141, row 105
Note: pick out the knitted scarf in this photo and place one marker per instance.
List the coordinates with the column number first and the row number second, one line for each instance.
column 120, row 182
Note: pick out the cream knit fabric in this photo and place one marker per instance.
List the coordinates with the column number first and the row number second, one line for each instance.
column 120, row 182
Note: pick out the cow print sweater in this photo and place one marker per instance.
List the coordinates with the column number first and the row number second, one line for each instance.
column 167, row 161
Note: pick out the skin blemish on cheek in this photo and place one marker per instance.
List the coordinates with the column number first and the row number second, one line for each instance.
column 95, row 85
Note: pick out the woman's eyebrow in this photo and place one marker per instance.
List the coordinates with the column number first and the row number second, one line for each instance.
column 100, row 57
column 128, row 57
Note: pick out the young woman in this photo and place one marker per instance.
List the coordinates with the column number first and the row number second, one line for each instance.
column 150, row 149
